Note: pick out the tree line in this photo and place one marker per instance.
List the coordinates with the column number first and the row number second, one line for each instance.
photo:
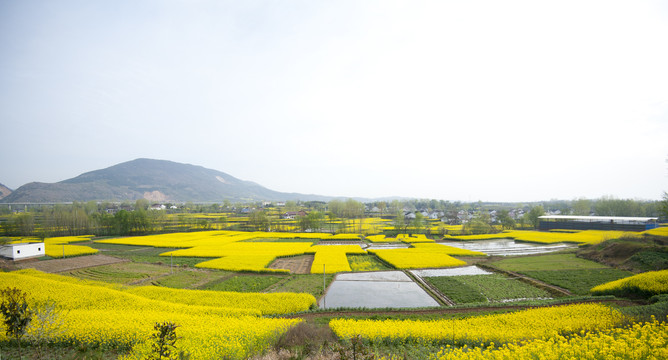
column 106, row 219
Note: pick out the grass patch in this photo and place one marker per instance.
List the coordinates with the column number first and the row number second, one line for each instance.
column 191, row 279
column 456, row 290
column 123, row 273
column 310, row 283
column 146, row 254
column 657, row 308
column 649, row 260
column 546, row 262
column 467, row 289
column 578, row 281
column 367, row 263
column 245, row 283
column 58, row 352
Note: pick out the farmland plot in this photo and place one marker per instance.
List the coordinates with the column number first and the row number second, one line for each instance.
column 564, row 270
column 485, row 288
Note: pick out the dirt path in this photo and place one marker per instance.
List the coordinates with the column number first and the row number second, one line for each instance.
column 296, row 264
column 67, row 264
column 446, row 310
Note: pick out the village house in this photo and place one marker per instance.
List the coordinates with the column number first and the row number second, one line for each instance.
column 291, row 215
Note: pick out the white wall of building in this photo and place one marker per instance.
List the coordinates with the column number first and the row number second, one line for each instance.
column 22, row 251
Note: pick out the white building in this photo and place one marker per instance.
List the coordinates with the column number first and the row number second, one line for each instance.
column 22, row 251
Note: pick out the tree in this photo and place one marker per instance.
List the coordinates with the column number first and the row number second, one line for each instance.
column 581, row 207
column 291, row 205
column 479, row 224
column 47, row 323
column 141, row 204
column 164, row 341
column 259, row 220
column 418, row 223
column 533, row 215
column 381, row 207
column 399, row 221
column 452, row 216
column 22, row 224
column 311, row 221
column 16, row 313
column 664, row 206
column 506, row 221
column 122, row 222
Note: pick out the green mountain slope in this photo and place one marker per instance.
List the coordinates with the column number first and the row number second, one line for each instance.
column 156, row 180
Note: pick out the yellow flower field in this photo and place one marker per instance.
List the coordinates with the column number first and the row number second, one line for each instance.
column 424, row 255
column 380, row 238
column 333, row 257
column 67, row 239
column 266, row 304
column 252, row 263
column 103, row 314
column 183, row 240
column 415, row 259
column 62, row 250
column 480, row 330
column 645, row 284
column 376, row 238
column 660, row 231
column 242, row 256
column 640, row 341
column 590, row 237
column 418, row 238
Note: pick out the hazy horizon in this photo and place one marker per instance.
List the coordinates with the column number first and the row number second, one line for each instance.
column 512, row 101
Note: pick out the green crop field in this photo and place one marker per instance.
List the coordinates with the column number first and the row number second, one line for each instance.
column 311, row 283
column 546, row 262
column 191, row 279
column 367, row 263
column 563, row 270
column 485, row 288
column 579, row 281
column 245, row 283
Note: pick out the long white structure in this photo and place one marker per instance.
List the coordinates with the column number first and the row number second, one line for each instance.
column 22, row 251
column 623, row 223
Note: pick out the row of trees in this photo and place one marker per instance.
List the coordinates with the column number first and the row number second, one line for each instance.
column 336, row 215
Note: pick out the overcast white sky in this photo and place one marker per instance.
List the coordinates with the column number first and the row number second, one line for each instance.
column 453, row 100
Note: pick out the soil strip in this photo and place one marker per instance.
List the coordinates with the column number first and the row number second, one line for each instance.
column 67, row 264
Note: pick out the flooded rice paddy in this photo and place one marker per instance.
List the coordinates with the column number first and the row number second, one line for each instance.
column 380, row 289
column 459, row 271
column 508, row 247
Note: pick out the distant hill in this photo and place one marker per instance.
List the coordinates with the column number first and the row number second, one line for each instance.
column 155, row 180
column 4, row 191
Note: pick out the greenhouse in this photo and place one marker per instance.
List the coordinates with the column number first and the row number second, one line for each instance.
column 620, row 223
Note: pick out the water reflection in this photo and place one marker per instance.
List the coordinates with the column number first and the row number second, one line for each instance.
column 507, row 247
column 382, row 289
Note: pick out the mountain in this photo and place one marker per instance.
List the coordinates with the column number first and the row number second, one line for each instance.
column 155, row 180
column 4, row 191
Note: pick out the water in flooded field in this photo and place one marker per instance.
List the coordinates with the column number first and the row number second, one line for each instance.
column 508, row 247
column 379, row 289
column 458, row 271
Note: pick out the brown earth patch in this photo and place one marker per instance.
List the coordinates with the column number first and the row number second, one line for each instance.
column 296, row 264
column 67, row 264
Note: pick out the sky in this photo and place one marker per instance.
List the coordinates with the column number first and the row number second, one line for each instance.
column 451, row 100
